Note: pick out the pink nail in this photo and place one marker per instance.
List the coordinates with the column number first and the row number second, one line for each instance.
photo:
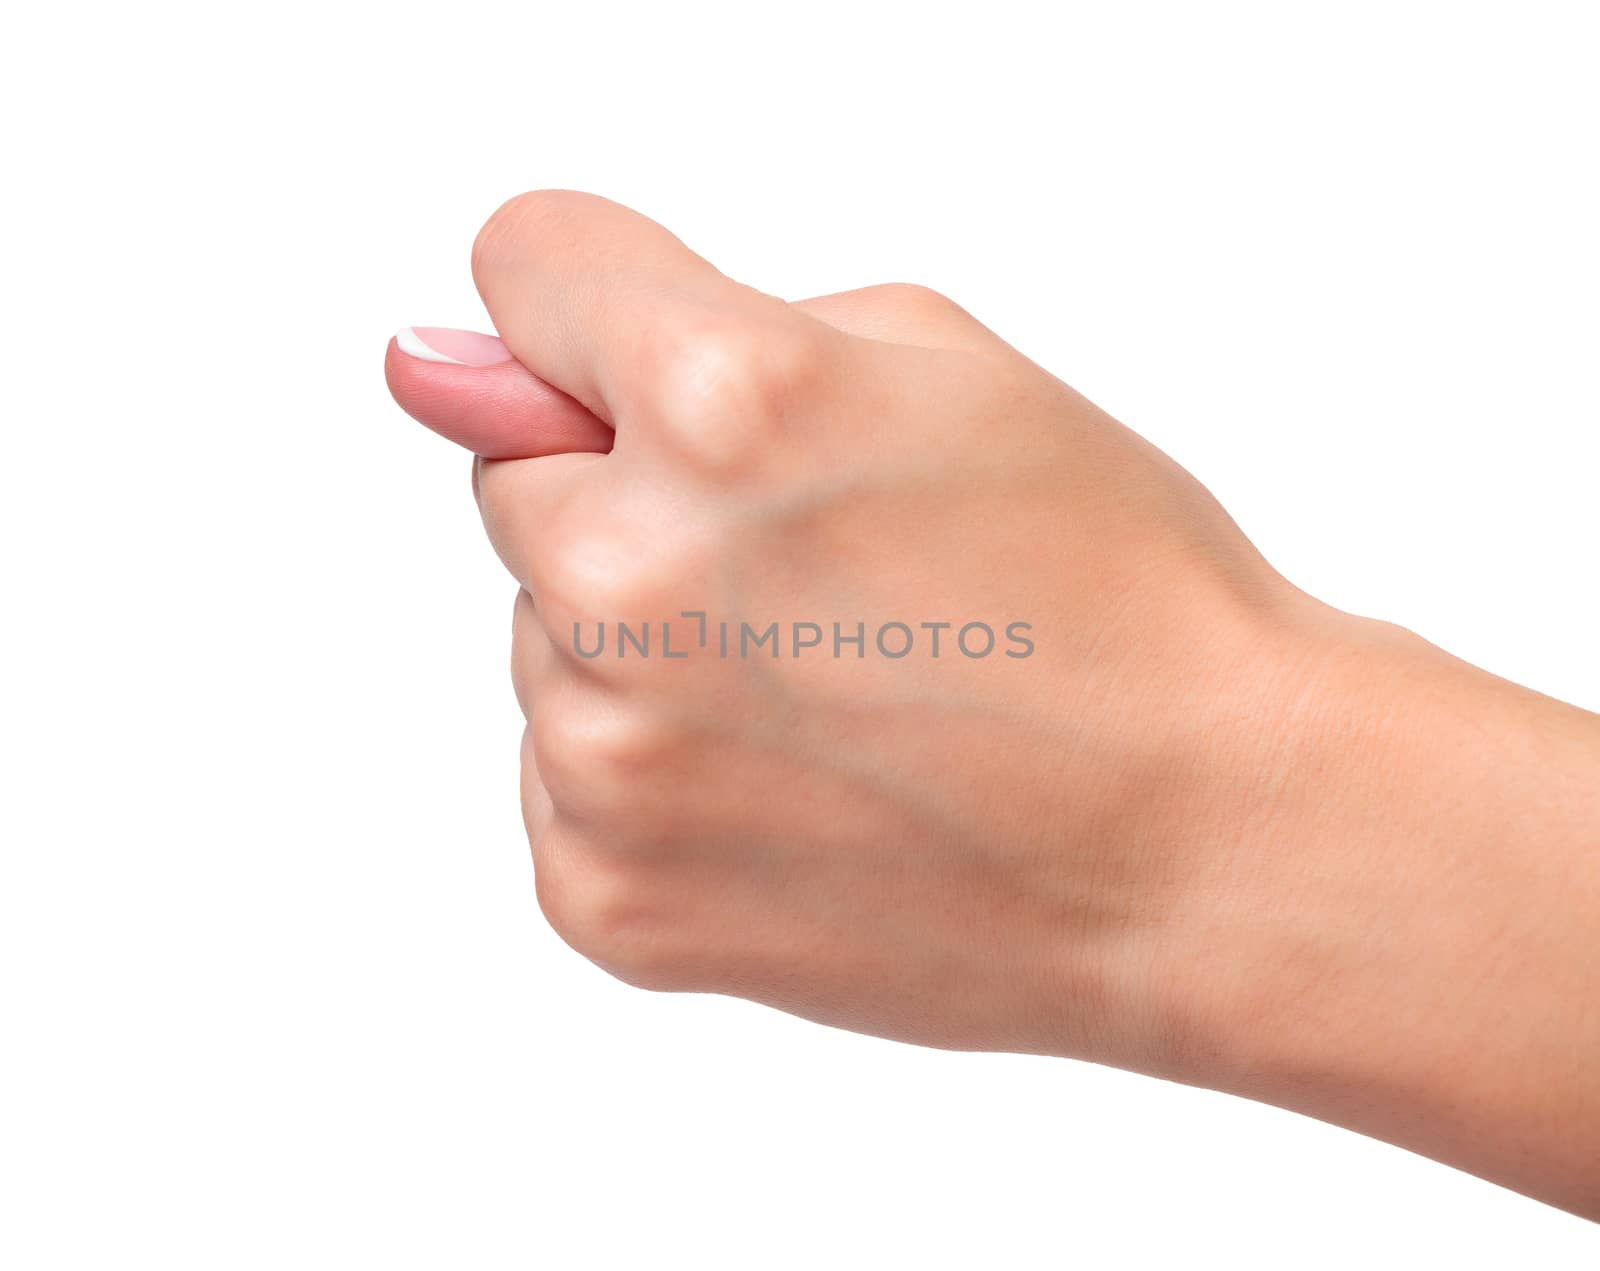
column 443, row 344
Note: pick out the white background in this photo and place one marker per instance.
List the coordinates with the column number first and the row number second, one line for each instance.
column 273, row 987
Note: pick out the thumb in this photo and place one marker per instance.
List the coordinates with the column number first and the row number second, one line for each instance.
column 467, row 387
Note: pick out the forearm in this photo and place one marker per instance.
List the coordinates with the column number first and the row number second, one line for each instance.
column 1423, row 901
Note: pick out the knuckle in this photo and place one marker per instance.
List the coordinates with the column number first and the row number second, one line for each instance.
column 609, row 911
column 495, row 242
column 720, row 392
column 617, row 562
column 596, row 574
column 531, row 660
column 505, row 235
column 594, row 580
column 501, row 486
column 915, row 296
column 710, row 369
column 594, row 757
column 919, row 305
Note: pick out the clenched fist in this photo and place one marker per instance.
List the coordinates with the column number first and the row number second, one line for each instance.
column 873, row 673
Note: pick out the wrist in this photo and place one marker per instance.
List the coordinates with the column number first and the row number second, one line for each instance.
column 1388, row 938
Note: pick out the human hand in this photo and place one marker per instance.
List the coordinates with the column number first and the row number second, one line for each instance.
column 1139, row 822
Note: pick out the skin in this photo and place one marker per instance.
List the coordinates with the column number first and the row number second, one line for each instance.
column 1211, row 829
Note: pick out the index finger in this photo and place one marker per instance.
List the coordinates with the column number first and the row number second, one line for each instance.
column 586, row 292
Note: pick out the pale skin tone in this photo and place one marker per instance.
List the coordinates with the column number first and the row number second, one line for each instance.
column 1211, row 829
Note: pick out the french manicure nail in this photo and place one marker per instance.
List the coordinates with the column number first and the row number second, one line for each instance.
column 444, row 344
